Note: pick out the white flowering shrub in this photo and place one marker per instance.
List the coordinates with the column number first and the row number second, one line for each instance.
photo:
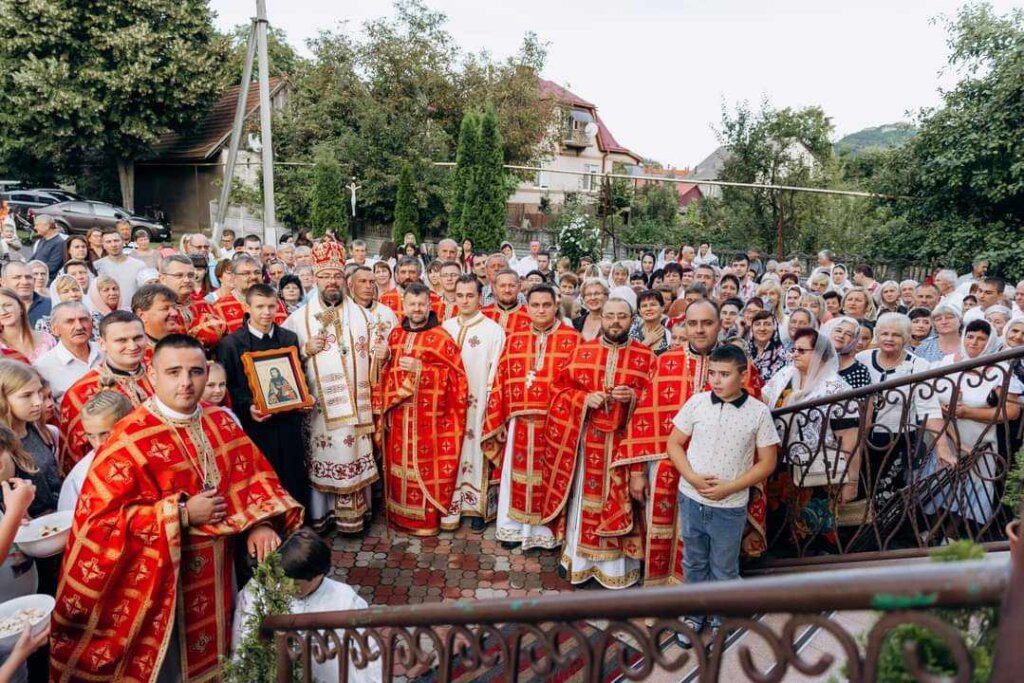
column 579, row 235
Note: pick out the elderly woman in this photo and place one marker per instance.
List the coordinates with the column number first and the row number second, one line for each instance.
column 816, row 443
column 649, row 327
column 946, row 340
column 40, row 278
column 844, row 332
column 998, row 315
column 593, row 293
column 728, row 287
column 907, row 288
column 1013, row 336
column 818, row 282
column 816, row 305
column 858, row 303
column 765, row 347
column 887, row 298
column 104, row 296
column 896, row 415
column 969, row 438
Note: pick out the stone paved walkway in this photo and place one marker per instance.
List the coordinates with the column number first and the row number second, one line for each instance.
column 403, row 570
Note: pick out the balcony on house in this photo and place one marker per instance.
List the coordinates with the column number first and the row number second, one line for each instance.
column 574, row 132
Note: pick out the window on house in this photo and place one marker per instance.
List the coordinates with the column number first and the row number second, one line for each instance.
column 590, row 182
column 542, row 179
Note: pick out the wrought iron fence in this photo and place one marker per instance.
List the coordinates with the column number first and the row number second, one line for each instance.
column 905, row 464
column 532, row 639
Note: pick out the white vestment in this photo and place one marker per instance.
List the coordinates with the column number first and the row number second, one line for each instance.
column 330, row 596
column 341, row 465
column 481, row 341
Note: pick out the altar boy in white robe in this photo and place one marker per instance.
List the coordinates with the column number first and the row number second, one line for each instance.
column 336, row 337
column 481, row 341
column 306, row 560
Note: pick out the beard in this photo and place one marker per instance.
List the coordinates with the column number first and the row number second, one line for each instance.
column 616, row 336
column 331, row 297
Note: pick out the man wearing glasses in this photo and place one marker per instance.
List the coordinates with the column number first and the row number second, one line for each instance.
column 232, row 308
column 199, row 317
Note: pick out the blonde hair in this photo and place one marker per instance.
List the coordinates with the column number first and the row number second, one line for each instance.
column 66, row 283
column 15, row 375
column 108, row 403
column 10, row 443
column 772, row 286
column 870, row 308
column 28, row 339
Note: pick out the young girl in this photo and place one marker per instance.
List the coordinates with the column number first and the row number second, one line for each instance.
column 22, row 403
column 217, row 385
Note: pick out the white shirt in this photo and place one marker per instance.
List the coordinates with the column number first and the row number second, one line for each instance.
column 724, row 438
column 71, row 489
column 61, row 368
column 526, row 264
column 259, row 335
column 126, row 274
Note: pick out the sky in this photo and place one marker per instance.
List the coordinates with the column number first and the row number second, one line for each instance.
column 659, row 71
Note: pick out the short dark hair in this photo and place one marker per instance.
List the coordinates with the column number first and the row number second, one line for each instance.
column 650, row 295
column 304, row 556
column 252, row 238
column 742, row 256
column 732, row 278
column 738, row 303
column 177, row 341
column 729, row 353
column 793, row 277
column 535, row 272
column 146, row 296
column 763, row 314
column 449, row 264
column 635, row 275
column 919, row 312
column 980, row 325
column 543, row 288
column 998, row 282
column 260, row 289
column 469, row 278
column 227, row 231
column 416, row 289
column 408, row 261
column 673, row 268
column 697, row 288
column 76, row 262
column 117, row 317
column 865, row 270
column 831, row 294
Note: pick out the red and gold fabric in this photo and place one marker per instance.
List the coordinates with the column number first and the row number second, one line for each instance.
column 132, row 576
column 523, row 388
column 588, row 438
column 679, row 374
column 202, row 322
column 513, row 319
column 395, row 300
column 424, row 419
column 73, row 444
column 443, row 309
column 231, row 309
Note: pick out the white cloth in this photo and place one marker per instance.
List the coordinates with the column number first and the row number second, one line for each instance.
column 126, row 274
column 525, row 265
column 724, row 438
column 71, row 489
column 888, row 416
column 61, row 368
column 330, row 596
column 508, row 529
column 480, row 341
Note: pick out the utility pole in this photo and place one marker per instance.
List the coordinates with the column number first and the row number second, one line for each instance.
column 256, row 49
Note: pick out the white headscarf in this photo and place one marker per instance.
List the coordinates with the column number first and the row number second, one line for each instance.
column 626, row 294
column 824, row 367
column 1015, row 320
column 994, row 343
column 832, row 324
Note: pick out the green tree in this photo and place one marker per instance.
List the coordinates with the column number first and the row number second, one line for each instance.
column 282, row 58
column 484, row 213
column 462, row 176
column 107, row 76
column 962, row 176
column 407, row 212
column 328, row 208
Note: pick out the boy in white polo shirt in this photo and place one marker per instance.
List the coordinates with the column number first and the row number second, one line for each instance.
column 713, row 447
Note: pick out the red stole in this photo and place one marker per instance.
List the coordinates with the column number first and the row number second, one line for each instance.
column 594, row 366
column 73, row 444
column 523, row 386
column 131, row 572
column 394, row 299
column 678, row 376
column 424, row 417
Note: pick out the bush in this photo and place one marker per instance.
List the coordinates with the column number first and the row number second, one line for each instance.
column 578, row 236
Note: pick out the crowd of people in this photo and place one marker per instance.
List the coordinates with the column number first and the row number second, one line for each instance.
column 617, row 413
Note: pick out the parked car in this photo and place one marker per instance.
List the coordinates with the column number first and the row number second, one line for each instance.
column 21, row 202
column 76, row 217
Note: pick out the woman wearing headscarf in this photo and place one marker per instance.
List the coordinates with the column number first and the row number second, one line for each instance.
column 765, row 346
column 509, row 252
column 795, row 321
column 844, row 333
column 946, row 340
column 619, row 274
column 770, row 293
column 704, row 256
column 817, row 443
column 647, row 265
column 840, row 281
column 999, row 316
column 969, row 443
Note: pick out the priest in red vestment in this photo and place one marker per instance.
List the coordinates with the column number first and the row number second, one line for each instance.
column 408, row 270
column 423, row 394
column 199, row 317
column 517, row 410
column 231, row 308
column 594, row 402
column 123, row 342
column 680, row 373
column 506, row 309
column 146, row 589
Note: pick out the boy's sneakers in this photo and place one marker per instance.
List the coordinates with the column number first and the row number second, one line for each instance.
column 684, row 638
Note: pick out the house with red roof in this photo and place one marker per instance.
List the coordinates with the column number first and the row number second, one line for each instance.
column 583, row 148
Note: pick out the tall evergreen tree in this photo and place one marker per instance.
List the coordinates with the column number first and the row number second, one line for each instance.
column 462, row 176
column 328, row 208
column 104, row 77
column 407, row 213
column 485, row 209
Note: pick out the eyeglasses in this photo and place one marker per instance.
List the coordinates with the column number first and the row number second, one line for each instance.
column 181, row 276
column 248, row 273
column 800, row 351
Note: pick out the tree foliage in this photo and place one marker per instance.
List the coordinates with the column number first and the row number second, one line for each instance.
column 484, row 211
column 407, row 213
column 964, row 171
column 461, row 178
column 101, row 80
column 328, row 206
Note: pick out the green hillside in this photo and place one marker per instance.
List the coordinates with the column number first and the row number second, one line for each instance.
column 888, row 135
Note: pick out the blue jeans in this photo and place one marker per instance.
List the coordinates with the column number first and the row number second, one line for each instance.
column 711, row 542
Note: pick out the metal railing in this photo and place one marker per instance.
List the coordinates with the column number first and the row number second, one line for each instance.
column 920, row 481
column 532, row 639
